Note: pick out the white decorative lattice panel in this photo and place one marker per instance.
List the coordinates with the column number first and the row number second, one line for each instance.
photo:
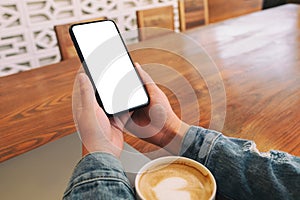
column 27, row 38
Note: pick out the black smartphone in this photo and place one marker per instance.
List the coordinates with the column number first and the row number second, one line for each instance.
column 105, row 58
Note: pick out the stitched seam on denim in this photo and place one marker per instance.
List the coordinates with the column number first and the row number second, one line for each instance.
column 210, row 148
column 105, row 178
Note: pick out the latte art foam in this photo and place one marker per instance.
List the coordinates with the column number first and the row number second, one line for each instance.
column 172, row 188
column 175, row 181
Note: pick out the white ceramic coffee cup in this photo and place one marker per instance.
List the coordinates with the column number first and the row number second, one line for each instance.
column 155, row 164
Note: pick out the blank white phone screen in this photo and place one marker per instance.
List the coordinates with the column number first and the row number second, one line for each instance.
column 111, row 69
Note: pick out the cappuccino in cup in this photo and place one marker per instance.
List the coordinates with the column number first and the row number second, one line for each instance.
column 175, row 177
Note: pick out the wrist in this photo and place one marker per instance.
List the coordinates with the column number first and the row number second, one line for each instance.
column 173, row 135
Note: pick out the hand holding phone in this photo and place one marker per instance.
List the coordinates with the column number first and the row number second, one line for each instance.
column 118, row 87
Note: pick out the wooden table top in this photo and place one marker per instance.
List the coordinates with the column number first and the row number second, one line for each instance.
column 251, row 89
column 36, row 107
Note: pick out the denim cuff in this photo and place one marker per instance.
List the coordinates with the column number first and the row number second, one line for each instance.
column 198, row 143
column 97, row 165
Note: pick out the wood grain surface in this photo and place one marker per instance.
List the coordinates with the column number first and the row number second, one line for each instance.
column 256, row 59
column 259, row 59
column 36, row 107
column 219, row 10
column 154, row 22
column 192, row 13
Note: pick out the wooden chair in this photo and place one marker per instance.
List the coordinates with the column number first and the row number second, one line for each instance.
column 192, row 13
column 224, row 9
column 149, row 20
column 65, row 44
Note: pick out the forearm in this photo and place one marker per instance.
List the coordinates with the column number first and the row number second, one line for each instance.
column 99, row 176
column 240, row 170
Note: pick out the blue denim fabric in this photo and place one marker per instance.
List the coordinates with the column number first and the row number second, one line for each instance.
column 241, row 172
column 99, row 176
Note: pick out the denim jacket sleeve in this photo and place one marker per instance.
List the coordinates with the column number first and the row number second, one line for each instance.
column 240, row 170
column 99, row 176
